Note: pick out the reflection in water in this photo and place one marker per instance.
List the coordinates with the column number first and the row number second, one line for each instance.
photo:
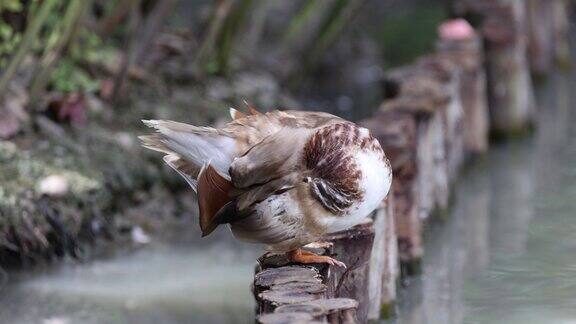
column 506, row 254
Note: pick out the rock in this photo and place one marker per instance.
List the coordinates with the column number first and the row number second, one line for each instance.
column 56, row 320
column 54, row 185
column 126, row 140
column 13, row 112
column 9, row 126
column 139, row 236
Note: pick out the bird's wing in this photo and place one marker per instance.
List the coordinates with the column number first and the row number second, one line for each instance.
column 250, row 129
column 270, row 166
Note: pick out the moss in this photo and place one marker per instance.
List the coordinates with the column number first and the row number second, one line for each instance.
column 513, row 133
column 388, row 311
column 24, row 223
column 411, row 268
column 101, row 174
column 564, row 62
column 109, row 175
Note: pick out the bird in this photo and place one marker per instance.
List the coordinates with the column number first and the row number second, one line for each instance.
column 284, row 178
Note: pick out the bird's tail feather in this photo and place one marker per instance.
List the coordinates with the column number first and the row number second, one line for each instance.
column 190, row 146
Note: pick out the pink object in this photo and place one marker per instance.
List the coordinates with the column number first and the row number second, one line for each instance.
column 455, row 29
column 73, row 109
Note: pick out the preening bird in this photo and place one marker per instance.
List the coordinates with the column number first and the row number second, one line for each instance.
column 281, row 178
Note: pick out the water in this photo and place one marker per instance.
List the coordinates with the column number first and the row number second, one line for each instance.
column 506, row 254
column 187, row 281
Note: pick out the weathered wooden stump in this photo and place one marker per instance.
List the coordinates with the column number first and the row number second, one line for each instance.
column 503, row 26
column 468, row 55
column 420, row 127
column 430, row 90
column 354, row 248
column 561, row 18
column 449, row 107
column 547, row 30
column 384, row 269
column 279, row 283
column 540, row 23
column 331, row 310
column 287, row 285
column 396, row 130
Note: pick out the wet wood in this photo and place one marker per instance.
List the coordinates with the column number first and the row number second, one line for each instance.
column 561, row 17
column 399, row 140
column 354, row 248
column 504, row 30
column 331, row 310
column 285, row 285
column 468, row 55
column 342, row 294
column 384, row 268
column 548, row 26
column 540, row 17
column 425, row 145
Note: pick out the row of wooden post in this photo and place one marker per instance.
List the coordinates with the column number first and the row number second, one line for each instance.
column 438, row 113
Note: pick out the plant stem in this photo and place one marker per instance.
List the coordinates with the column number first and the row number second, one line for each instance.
column 27, row 40
column 341, row 13
column 221, row 11
column 151, row 27
column 231, row 26
column 296, row 25
column 66, row 30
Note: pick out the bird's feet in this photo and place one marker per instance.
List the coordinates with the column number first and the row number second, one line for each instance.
column 306, row 257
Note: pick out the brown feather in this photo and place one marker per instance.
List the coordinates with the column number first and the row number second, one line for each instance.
column 235, row 114
column 213, row 192
column 274, row 157
column 251, row 109
column 326, row 154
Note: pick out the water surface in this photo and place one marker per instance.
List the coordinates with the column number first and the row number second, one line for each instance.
column 183, row 280
column 507, row 253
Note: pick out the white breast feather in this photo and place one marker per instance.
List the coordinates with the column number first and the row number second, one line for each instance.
column 375, row 183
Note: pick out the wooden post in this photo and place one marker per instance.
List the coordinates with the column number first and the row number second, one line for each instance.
column 396, row 130
column 391, row 266
column 428, row 90
column 296, row 293
column 383, row 263
column 342, row 294
column 448, row 106
column 503, row 26
column 548, row 26
column 561, row 19
column 420, row 127
column 540, row 15
column 468, row 55
column 354, row 248
column 331, row 310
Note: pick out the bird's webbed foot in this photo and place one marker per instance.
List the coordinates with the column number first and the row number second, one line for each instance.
column 306, row 257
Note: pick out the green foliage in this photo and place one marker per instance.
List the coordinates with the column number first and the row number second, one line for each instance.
column 69, row 77
column 86, row 47
column 9, row 39
column 58, row 36
column 11, row 5
column 406, row 35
